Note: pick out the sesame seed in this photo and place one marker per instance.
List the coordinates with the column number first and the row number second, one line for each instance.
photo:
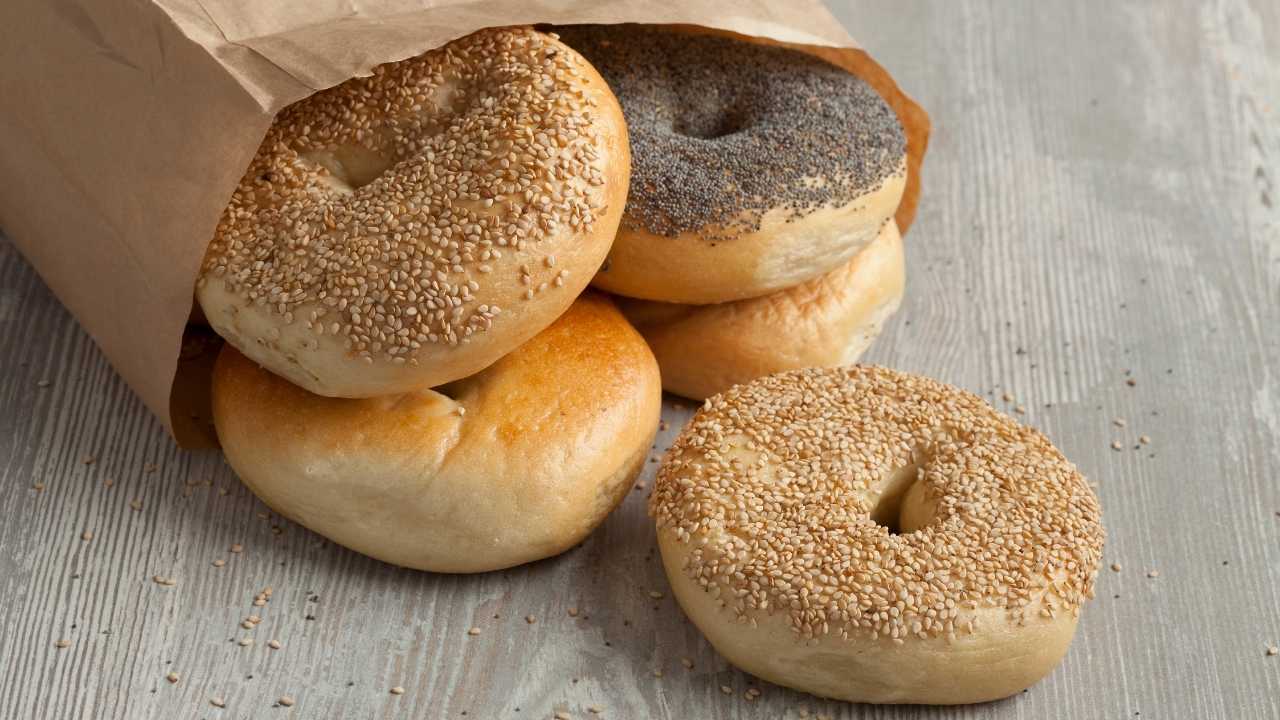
column 246, row 641
column 1119, row 422
column 1115, row 567
column 172, row 677
column 688, row 663
column 286, row 700
column 1153, row 573
column 273, row 644
column 530, row 619
column 781, row 467
column 573, row 612
column 1115, row 445
column 1144, row 439
column 474, row 631
column 656, row 595
column 62, row 644
column 595, row 709
column 237, row 548
column 87, row 535
column 516, row 153
column 561, row 715
column 1273, row 651
column 38, row 487
column 217, row 702
column 219, row 562
column 135, row 504
column 397, row 690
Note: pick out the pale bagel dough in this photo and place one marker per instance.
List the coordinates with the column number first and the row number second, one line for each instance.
column 516, row 463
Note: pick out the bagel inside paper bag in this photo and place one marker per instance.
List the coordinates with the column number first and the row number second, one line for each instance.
column 126, row 127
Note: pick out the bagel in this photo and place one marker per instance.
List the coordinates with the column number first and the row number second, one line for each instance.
column 868, row 535
column 828, row 321
column 754, row 167
column 408, row 229
column 516, row 463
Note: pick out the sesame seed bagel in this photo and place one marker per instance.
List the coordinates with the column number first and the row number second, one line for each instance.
column 869, row 535
column 827, row 321
column 516, row 463
column 408, row 229
column 754, row 167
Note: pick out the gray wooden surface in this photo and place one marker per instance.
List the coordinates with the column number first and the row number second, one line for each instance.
column 1102, row 205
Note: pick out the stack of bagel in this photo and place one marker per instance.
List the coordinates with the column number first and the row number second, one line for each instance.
column 416, row 367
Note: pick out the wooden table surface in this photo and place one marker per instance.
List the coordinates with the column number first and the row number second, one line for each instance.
column 1099, row 238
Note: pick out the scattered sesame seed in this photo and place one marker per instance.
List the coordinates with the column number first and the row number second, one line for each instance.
column 62, row 644
column 237, row 548
column 1130, row 382
column 217, row 702
column 172, row 677
column 1020, row 410
column 219, row 562
column 561, row 715
column 573, row 612
column 530, row 619
column 397, row 690
column 273, row 644
column 1144, row 439
column 164, row 581
column 1153, row 573
column 1115, row 445
column 1115, row 567
column 688, row 663
column 726, row 689
column 108, row 482
column 136, row 504
column 88, row 460
column 1273, row 651
column 1119, row 422
column 38, row 487
column 595, row 709
column 43, row 383
column 656, row 595
column 86, row 535
column 474, row 631
column 657, row 673
column 286, row 700
column 1006, row 397
column 246, row 641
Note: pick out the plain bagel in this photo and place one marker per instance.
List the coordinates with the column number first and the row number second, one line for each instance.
column 825, row 322
column 408, row 229
column 868, row 535
column 516, row 463
column 754, row 167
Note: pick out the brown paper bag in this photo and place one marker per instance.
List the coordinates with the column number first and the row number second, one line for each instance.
column 124, row 128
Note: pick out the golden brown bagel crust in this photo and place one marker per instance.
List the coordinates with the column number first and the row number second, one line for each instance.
column 408, row 229
column 874, row 536
column 688, row 269
column 827, row 321
column 514, row 464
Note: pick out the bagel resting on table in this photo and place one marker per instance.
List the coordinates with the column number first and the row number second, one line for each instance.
column 754, row 167
column 408, row 229
column 516, row 463
column 869, row 535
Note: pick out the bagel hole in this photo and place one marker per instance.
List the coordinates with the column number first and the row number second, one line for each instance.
column 887, row 510
column 709, row 126
column 351, row 166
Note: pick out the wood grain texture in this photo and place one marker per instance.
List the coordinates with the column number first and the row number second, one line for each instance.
column 1102, row 203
